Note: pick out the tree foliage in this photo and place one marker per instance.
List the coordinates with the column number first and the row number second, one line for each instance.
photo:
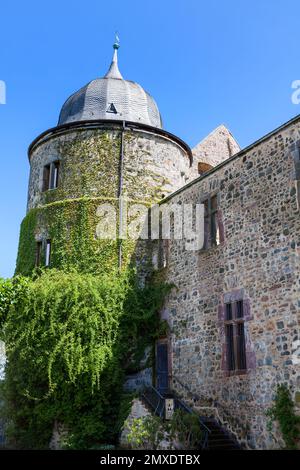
column 70, row 338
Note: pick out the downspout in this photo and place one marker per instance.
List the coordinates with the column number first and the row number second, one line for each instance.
column 120, row 189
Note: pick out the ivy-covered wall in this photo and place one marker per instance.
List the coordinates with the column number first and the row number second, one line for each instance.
column 72, row 227
column 153, row 166
column 89, row 166
column 91, row 174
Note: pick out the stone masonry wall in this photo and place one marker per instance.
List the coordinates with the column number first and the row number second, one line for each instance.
column 214, row 149
column 153, row 165
column 258, row 261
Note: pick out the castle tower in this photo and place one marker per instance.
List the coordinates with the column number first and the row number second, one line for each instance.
column 109, row 143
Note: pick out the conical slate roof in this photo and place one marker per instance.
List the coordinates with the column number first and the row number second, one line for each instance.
column 111, row 97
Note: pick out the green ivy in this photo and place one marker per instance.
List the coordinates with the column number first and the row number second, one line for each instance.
column 283, row 412
column 27, row 244
column 71, row 226
column 70, row 339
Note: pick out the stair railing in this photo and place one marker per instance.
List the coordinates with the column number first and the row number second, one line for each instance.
column 155, row 400
column 179, row 404
column 157, row 403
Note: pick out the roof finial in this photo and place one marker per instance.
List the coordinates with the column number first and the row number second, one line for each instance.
column 114, row 71
column 117, row 41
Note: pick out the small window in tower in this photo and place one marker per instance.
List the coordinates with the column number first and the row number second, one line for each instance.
column 51, row 176
column 46, row 177
column 112, row 109
column 48, row 253
column 54, row 175
column 38, row 253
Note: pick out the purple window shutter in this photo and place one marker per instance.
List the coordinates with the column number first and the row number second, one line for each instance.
column 224, row 359
column 250, row 354
column 250, row 360
column 247, row 310
column 221, row 313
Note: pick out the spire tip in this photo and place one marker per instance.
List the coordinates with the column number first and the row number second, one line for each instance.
column 116, row 44
column 114, row 71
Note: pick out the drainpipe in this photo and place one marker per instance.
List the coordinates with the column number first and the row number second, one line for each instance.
column 120, row 189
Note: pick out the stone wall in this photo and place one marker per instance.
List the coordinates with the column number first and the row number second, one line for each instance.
column 138, row 410
column 258, row 260
column 214, row 149
column 153, row 165
column 90, row 175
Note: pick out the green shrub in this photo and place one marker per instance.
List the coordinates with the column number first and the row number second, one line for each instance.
column 183, row 430
column 283, row 412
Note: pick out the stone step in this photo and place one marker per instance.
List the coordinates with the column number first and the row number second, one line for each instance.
column 220, row 437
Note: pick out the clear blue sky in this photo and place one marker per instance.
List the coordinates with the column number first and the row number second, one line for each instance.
column 205, row 63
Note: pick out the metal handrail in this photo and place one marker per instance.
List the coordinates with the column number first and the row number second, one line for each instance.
column 157, row 403
column 191, row 411
column 206, row 431
column 214, row 404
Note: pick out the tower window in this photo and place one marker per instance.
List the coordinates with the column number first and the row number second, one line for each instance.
column 235, row 336
column 38, row 253
column 112, row 109
column 51, row 176
column 48, row 253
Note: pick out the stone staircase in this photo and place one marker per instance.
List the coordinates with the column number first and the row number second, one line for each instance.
column 215, row 436
column 219, row 438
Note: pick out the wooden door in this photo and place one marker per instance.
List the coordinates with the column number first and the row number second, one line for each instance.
column 162, row 370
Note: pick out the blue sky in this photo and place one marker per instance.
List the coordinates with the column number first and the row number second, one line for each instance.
column 205, row 63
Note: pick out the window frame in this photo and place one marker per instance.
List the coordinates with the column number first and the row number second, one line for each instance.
column 51, row 175
column 48, row 250
column 235, row 351
column 163, row 254
column 212, row 231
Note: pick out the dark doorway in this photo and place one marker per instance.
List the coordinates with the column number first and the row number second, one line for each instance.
column 162, row 372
